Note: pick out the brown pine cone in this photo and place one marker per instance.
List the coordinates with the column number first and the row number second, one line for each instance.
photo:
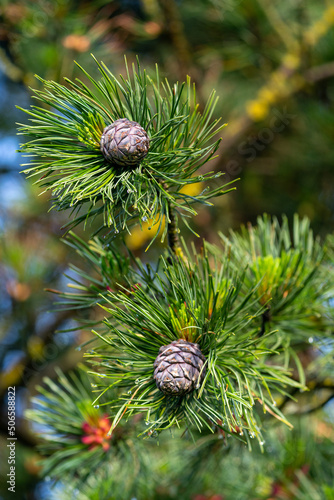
column 177, row 368
column 124, row 142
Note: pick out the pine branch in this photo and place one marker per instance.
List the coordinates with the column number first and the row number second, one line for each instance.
column 201, row 307
column 173, row 235
column 74, row 435
column 172, row 228
column 64, row 147
column 291, row 274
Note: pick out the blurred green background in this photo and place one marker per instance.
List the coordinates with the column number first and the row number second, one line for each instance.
column 272, row 64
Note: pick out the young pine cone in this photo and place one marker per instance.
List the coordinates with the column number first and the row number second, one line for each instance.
column 178, row 369
column 124, row 142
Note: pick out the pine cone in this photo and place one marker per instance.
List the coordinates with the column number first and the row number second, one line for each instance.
column 177, row 367
column 124, row 142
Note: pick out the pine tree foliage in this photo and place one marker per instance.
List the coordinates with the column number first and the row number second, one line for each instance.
column 200, row 302
column 74, row 434
column 106, row 268
column 294, row 464
column 299, row 456
column 296, row 281
column 208, row 298
column 296, row 286
column 251, row 304
column 64, row 147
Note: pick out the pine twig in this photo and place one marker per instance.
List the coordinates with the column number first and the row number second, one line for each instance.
column 172, row 229
column 173, row 235
column 175, row 28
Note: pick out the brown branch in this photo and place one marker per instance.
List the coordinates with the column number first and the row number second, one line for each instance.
column 173, row 234
column 312, row 386
column 174, row 27
column 321, row 72
column 321, row 405
column 172, row 229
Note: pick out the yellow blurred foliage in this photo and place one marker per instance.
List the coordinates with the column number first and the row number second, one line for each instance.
column 320, row 27
column 257, row 109
column 268, row 95
column 35, row 347
column 291, row 61
column 281, row 82
column 140, row 235
column 12, row 376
